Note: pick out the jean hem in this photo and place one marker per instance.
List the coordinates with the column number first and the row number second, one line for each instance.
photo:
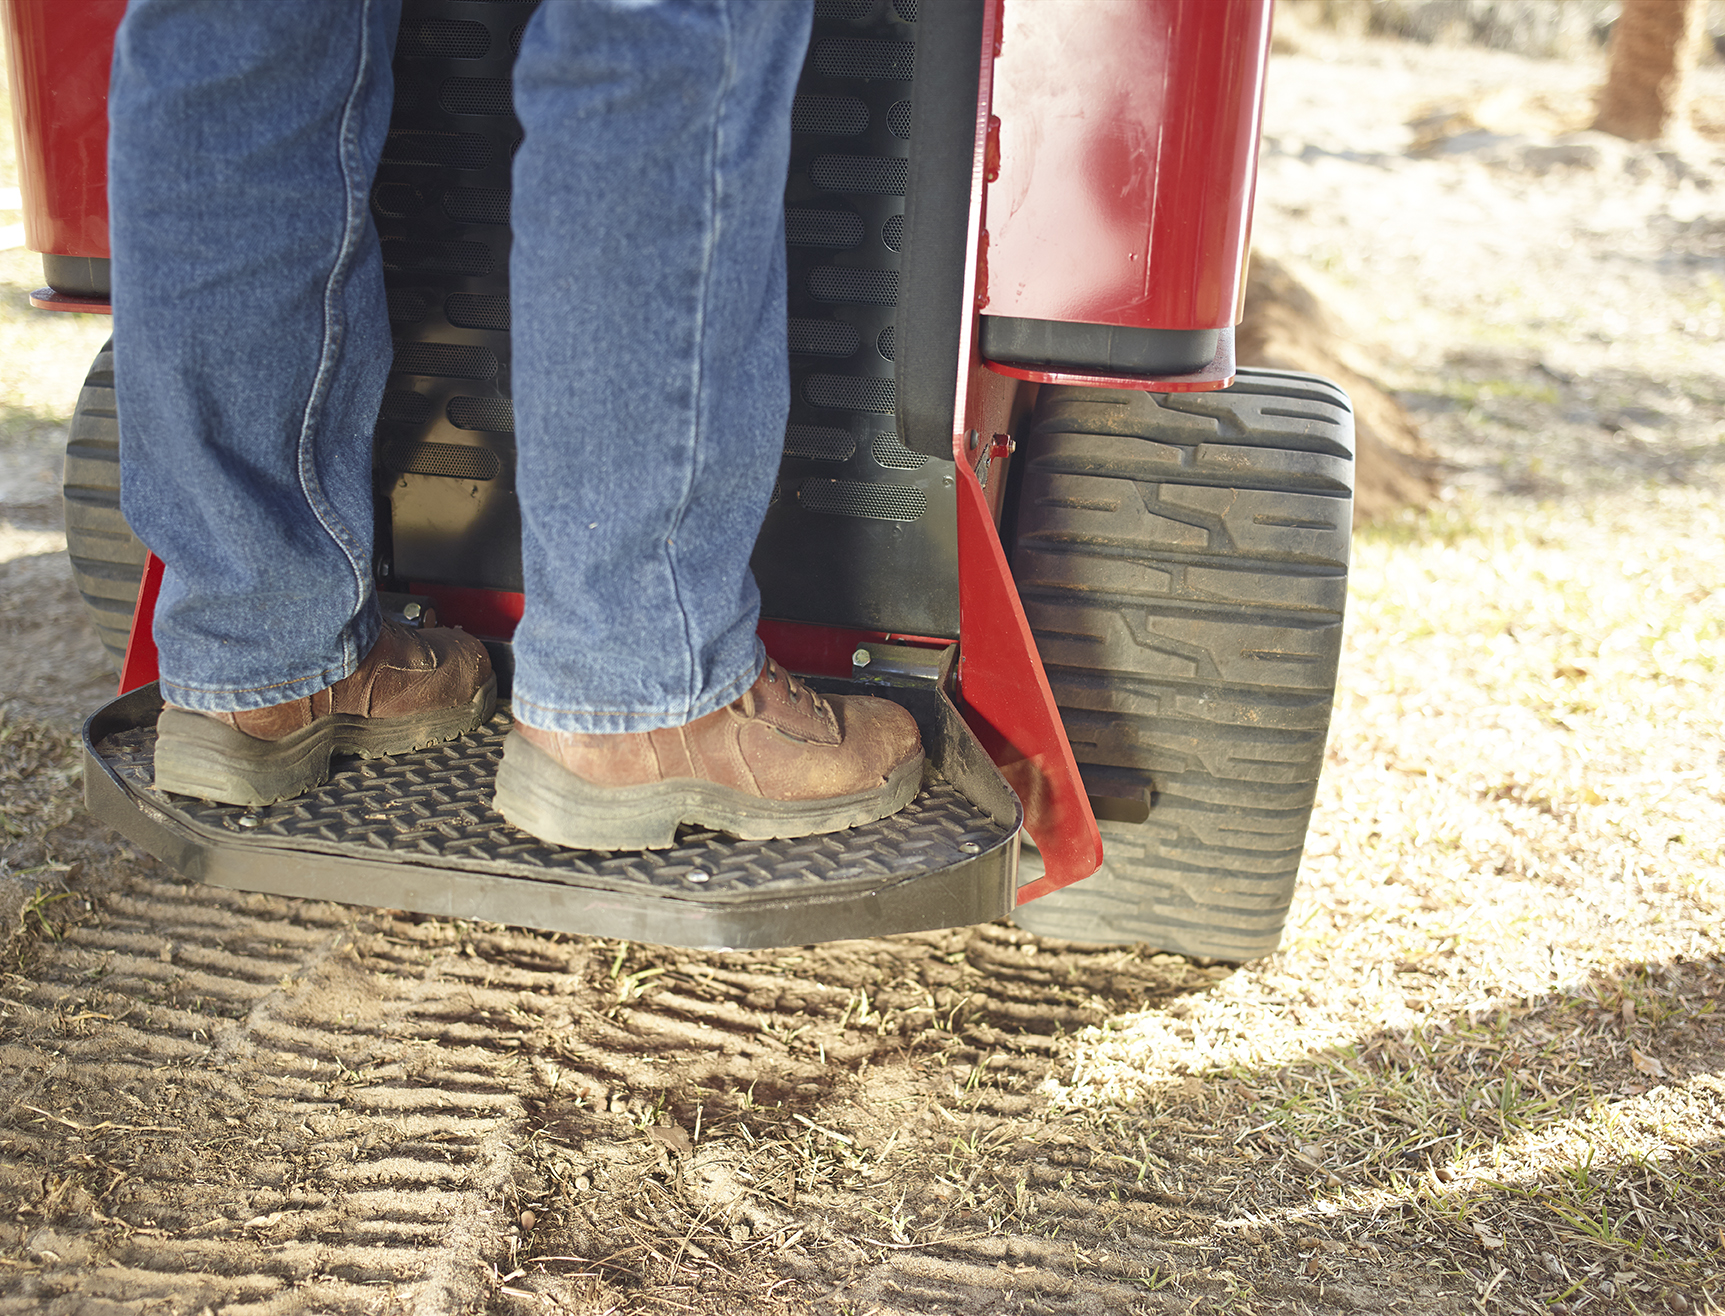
column 245, row 698
column 596, row 721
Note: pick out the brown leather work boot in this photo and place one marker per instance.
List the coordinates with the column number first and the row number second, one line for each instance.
column 779, row 761
column 415, row 688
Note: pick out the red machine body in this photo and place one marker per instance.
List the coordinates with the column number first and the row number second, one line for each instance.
column 1112, row 179
column 59, row 55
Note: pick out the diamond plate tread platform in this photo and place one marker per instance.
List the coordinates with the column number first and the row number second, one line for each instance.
column 418, row 831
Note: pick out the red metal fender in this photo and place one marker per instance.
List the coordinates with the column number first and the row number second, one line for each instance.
column 59, row 55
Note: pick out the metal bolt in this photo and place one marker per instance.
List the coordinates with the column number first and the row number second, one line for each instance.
column 862, row 657
column 248, row 820
column 413, row 611
column 970, row 847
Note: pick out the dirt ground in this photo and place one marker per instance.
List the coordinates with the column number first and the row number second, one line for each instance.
column 1486, row 1071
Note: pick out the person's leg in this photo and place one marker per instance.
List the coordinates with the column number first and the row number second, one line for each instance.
column 251, row 348
column 647, row 287
column 647, row 281
column 251, row 340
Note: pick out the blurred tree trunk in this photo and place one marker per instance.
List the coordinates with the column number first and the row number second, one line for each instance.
column 1653, row 47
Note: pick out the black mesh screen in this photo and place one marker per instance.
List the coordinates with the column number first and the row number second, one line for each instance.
column 445, row 257
column 905, row 9
column 888, row 451
column 410, row 146
column 400, row 405
column 870, row 174
column 886, row 341
column 819, row 443
column 892, row 232
column 442, row 38
column 448, row 360
column 477, row 205
column 412, row 457
column 831, row 116
column 515, row 38
column 477, row 96
column 494, row 414
column 898, row 119
column 395, row 200
column 861, row 57
column 836, row 230
column 408, row 307
column 846, row 11
column 849, row 393
column 833, row 338
column 833, row 283
column 877, row 502
column 473, row 311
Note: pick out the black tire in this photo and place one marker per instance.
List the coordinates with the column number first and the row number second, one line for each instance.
column 1183, row 562
column 107, row 559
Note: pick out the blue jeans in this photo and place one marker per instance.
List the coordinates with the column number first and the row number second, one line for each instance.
column 647, row 285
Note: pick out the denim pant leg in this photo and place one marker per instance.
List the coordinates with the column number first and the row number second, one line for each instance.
column 251, row 336
column 647, row 284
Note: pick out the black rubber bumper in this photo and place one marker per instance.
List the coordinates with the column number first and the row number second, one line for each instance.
column 417, row 832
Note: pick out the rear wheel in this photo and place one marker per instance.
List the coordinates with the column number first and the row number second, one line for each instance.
column 107, row 558
column 1183, row 562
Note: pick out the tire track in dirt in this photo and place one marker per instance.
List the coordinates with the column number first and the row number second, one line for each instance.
column 215, row 1100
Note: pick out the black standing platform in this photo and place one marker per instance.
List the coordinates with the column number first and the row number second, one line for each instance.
column 418, row 832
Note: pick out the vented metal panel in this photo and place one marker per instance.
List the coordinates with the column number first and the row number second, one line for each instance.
column 445, row 441
column 862, row 532
column 836, row 553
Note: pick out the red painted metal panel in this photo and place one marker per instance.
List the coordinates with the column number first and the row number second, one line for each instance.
column 59, row 52
column 1128, row 154
column 139, row 668
column 1004, row 692
column 46, row 299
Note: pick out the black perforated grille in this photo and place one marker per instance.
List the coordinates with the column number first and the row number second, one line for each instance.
column 455, row 460
column 832, row 338
column 892, row 232
column 477, row 205
column 886, row 342
column 475, row 312
column 845, row 11
column 876, row 502
column 820, row 443
column 413, row 146
column 834, row 283
column 515, row 38
column 446, row 360
column 833, row 116
column 395, row 200
column 862, row 57
column 889, row 451
column 905, row 9
column 898, row 119
column 477, row 96
column 494, row 414
column 869, row 174
column 443, row 38
column 408, row 307
column 836, row 230
column 409, row 408
column 850, row 393
column 443, row 257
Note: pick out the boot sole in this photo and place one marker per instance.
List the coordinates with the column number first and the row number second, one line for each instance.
column 541, row 797
column 209, row 760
